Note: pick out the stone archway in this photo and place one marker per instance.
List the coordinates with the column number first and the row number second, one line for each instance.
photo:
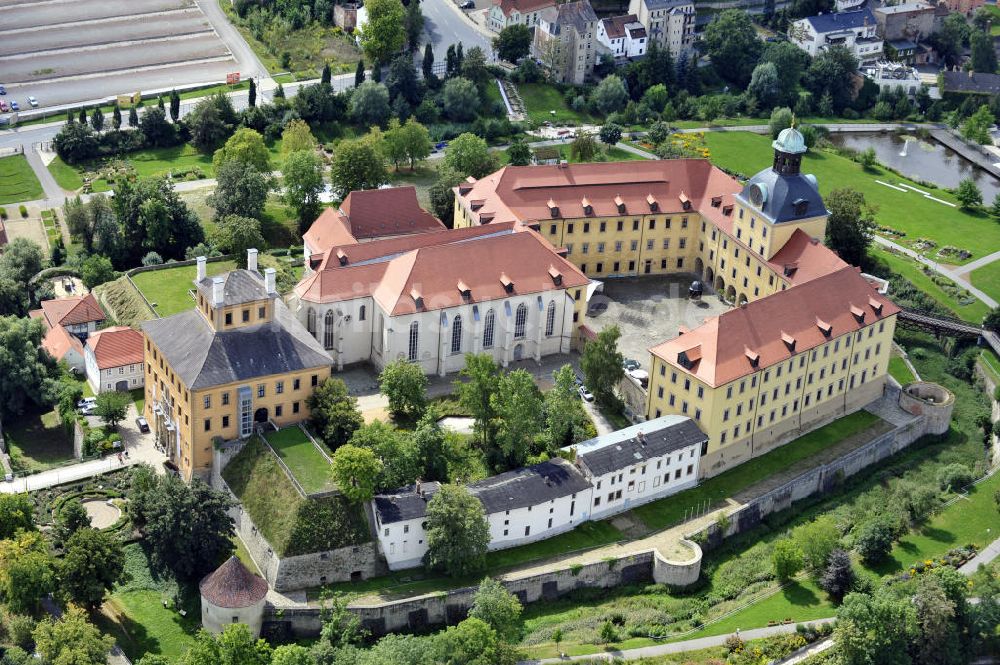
column 709, row 276
column 730, row 293
column 720, row 285
column 260, row 415
column 699, row 266
column 742, row 300
column 518, row 351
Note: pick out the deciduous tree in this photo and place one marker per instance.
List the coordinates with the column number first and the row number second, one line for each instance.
column 470, row 156
column 513, row 42
column 27, row 371
column 786, row 559
column 235, row 235
column 733, row 45
column 26, row 571
column 475, row 393
column 602, row 364
column 97, row 270
column 518, row 407
column 497, row 608
column 816, row 539
column 610, row 95
column 240, row 190
column 16, row 514
column 519, row 153
column 429, row 440
column 333, row 413
column 356, row 471
column 414, row 25
column 457, row 533
column 460, row 99
column 246, row 146
column 875, row 629
column 112, row 406
column 850, row 226
column 72, row 640
column 211, row 122
column 968, row 194
column 91, row 564
column 381, row 37
column 71, row 518
column 405, row 385
column 297, row 136
column 610, row 134
column 303, row 179
column 357, row 165
column 370, row 104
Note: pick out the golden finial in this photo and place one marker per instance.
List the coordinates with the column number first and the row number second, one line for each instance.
column 793, row 120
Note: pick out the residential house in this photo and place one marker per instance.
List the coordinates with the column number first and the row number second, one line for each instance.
column 68, row 322
column 967, row 7
column 970, row 83
column 566, row 41
column 670, row 23
column 236, row 360
column 367, row 215
column 912, row 21
column 894, row 76
column 113, row 359
column 856, row 30
column 345, row 16
column 624, row 36
column 433, row 297
column 543, row 500
column 504, row 13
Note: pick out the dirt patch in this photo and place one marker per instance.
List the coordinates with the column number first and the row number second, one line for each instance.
column 101, row 513
column 31, row 228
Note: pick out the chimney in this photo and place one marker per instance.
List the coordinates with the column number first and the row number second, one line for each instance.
column 217, row 285
column 252, row 260
column 201, row 268
column 269, row 279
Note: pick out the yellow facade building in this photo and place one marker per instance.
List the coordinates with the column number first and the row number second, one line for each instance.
column 237, row 359
column 810, row 337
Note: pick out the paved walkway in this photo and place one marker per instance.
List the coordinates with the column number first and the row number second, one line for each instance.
column 958, row 274
column 140, row 447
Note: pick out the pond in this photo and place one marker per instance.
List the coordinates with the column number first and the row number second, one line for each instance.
column 921, row 159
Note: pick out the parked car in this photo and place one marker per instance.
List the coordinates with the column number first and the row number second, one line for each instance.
column 85, row 402
column 87, row 409
column 14, row 106
column 143, row 426
column 3, row 90
column 3, row 106
column 586, row 394
column 468, row 4
column 440, row 145
column 629, row 364
column 32, row 101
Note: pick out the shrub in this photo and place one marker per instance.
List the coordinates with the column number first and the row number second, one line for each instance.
column 787, row 559
column 874, row 540
column 954, row 477
column 23, row 210
column 3, row 213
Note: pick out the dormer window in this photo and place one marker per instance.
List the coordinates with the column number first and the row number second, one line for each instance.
column 752, row 356
column 789, row 269
column 689, row 357
column 464, row 188
column 824, row 327
column 727, row 210
column 685, row 201
column 654, row 205
column 507, row 282
column 789, row 341
column 875, row 305
column 555, row 275
column 800, row 207
column 418, row 298
column 716, row 201
column 858, row 313
column 342, row 257
column 477, row 204
column 588, row 209
column 620, row 204
column 464, row 289
column 553, row 209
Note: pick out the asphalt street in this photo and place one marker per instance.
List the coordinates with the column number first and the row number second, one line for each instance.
column 445, row 24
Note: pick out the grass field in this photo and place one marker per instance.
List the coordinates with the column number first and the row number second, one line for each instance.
column 17, row 180
column 900, row 371
column 167, row 289
column 540, row 99
column 38, row 440
column 913, row 273
column 670, row 510
column 919, row 217
column 66, row 176
column 303, row 459
column 987, row 279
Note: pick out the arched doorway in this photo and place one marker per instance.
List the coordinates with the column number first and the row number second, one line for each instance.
column 518, row 351
column 260, row 415
column 699, row 265
column 710, row 277
column 720, row 285
column 121, row 386
column 730, row 293
column 742, row 300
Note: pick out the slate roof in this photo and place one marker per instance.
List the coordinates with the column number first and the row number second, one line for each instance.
column 971, row 82
column 529, row 486
column 623, row 448
column 668, row 4
column 782, row 193
column 233, row 586
column 202, row 357
column 241, row 286
column 404, row 503
column 576, row 14
column 833, row 22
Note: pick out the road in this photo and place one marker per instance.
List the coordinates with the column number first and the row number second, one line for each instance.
column 445, row 24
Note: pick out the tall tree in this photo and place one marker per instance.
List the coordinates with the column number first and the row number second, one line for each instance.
column 358, row 164
column 733, row 45
column 91, row 564
column 151, row 216
column 297, row 136
column 602, row 364
column 429, row 439
column 133, row 117
column 405, row 385
column 830, row 73
column 513, row 42
column 370, row 104
column 381, row 37
column 27, row 371
column 72, row 640
column 519, row 153
column 240, row 190
column 984, row 55
column 460, row 99
column 838, row 578
column 71, row 517
column 303, row 176
column 790, row 63
column 26, row 572
column 156, row 130
column 333, row 413
column 326, row 75
column 247, row 147
column 469, row 155
column 414, row 25
column 498, row 608
column 475, row 393
column 457, row 532
column 875, row 629
column 359, row 73
column 817, row 539
column 561, row 410
column 116, row 117
column 427, row 66
column 356, row 471
column 235, row 235
column 402, row 81
column 211, row 122
column 97, row 119
column 518, row 406
column 175, row 105
column 851, row 225
column 112, row 407
column 16, row 514
column 251, row 96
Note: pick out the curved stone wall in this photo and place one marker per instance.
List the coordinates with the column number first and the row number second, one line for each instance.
column 677, row 573
column 934, row 402
column 214, row 619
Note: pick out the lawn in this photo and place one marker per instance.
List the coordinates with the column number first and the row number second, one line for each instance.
column 541, row 99
column 900, row 371
column 167, row 289
column 160, row 161
column 711, row 492
column 918, row 217
column 17, row 180
column 913, row 273
column 303, row 459
column 585, row 536
column 987, row 279
column 66, row 176
column 290, row 523
column 37, row 440
column 139, row 399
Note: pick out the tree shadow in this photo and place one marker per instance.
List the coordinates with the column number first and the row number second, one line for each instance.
column 800, row 596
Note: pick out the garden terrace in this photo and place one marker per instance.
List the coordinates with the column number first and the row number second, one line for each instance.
column 309, row 465
column 291, row 523
column 167, row 289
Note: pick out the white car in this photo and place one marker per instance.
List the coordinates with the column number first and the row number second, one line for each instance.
column 586, row 394
column 32, row 101
column 85, row 402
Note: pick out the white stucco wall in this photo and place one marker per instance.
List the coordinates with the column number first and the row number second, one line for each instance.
column 106, row 380
column 214, row 619
column 651, row 479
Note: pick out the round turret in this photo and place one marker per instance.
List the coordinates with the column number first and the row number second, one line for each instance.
column 232, row 594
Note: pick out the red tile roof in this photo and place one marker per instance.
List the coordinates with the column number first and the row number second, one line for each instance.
column 69, row 311
column 803, row 258
column 614, row 26
column 115, row 347
column 525, row 193
column 328, row 230
column 721, row 350
column 431, row 266
column 377, row 213
column 522, row 6
column 233, row 586
column 58, row 342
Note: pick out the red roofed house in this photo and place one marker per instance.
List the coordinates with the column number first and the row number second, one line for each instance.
column 366, row 215
column 68, row 322
column 433, row 297
column 516, row 12
column 113, row 359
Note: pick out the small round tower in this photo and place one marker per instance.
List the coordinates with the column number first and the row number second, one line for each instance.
column 232, row 594
column 922, row 398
